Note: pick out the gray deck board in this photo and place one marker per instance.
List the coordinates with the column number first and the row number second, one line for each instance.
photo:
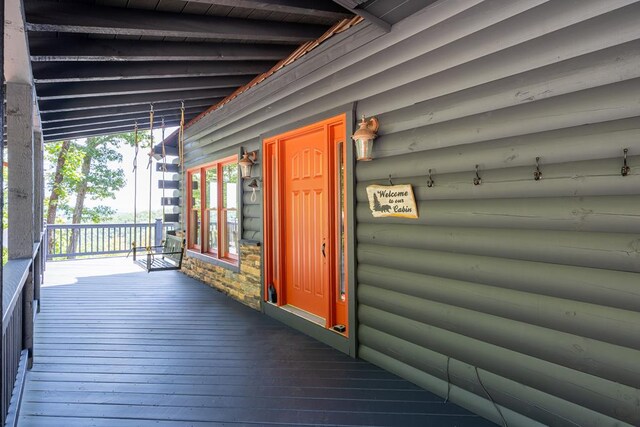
column 116, row 346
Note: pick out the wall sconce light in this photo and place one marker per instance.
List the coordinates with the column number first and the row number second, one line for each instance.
column 246, row 163
column 363, row 138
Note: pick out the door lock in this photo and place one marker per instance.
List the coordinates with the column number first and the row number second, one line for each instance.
column 323, row 253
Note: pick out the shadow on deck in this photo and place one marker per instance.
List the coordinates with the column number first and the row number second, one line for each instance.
column 116, row 346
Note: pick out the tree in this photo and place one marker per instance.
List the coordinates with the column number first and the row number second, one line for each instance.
column 84, row 169
column 57, row 191
column 67, row 157
column 98, row 180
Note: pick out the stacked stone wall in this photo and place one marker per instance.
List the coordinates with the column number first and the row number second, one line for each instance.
column 243, row 286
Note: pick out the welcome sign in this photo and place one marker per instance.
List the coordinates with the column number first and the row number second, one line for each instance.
column 392, row 200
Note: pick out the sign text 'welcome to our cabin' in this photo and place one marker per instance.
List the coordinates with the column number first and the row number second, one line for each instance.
column 392, row 200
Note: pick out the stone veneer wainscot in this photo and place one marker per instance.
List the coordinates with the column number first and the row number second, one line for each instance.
column 243, row 286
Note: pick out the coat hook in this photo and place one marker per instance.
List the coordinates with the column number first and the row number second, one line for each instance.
column 477, row 180
column 430, row 181
column 625, row 168
column 390, row 182
column 537, row 174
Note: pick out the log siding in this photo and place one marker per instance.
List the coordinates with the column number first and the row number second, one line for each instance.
column 517, row 298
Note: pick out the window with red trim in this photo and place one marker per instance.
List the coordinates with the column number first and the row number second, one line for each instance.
column 212, row 219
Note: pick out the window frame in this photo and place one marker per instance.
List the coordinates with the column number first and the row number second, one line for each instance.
column 221, row 210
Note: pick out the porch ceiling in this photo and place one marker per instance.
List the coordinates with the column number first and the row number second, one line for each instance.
column 98, row 64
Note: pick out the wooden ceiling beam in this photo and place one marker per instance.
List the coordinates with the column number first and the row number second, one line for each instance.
column 140, row 117
column 54, row 136
column 321, row 8
column 130, row 109
column 43, row 15
column 125, row 100
column 144, row 124
column 58, row 72
column 49, row 91
column 83, row 49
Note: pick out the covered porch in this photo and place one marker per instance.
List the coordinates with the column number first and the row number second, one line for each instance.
column 119, row 347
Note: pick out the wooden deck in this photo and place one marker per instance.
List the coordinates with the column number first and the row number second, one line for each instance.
column 116, row 346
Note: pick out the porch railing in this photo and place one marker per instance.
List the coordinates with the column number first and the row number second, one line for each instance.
column 74, row 240
column 21, row 287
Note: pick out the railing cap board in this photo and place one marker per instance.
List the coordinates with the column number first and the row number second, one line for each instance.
column 15, row 273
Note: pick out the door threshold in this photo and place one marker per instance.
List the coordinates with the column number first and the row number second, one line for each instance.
column 304, row 314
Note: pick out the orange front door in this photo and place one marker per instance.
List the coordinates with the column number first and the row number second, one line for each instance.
column 305, row 199
column 307, row 240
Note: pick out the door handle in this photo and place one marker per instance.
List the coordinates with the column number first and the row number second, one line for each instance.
column 323, row 253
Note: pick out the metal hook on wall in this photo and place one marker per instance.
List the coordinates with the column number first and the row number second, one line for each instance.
column 477, row 180
column 537, row 174
column 430, row 181
column 390, row 182
column 624, row 171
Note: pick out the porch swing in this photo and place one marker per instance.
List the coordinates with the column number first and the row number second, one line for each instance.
column 168, row 255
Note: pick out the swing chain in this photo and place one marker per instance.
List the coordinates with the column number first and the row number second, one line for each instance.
column 135, row 139
column 151, row 114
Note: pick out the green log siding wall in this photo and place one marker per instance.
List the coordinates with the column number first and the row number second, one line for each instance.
column 520, row 292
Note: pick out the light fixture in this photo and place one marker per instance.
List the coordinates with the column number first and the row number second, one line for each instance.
column 246, row 163
column 363, row 138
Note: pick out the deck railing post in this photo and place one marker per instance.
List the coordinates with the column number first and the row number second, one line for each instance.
column 27, row 317
column 158, row 232
column 45, row 244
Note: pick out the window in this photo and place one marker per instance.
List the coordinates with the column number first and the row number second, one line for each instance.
column 212, row 221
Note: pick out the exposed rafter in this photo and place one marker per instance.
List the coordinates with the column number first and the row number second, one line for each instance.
column 356, row 6
column 92, row 19
column 83, row 49
column 144, row 124
column 58, row 72
column 53, row 136
column 99, row 113
column 125, row 100
column 48, row 91
column 324, row 8
column 139, row 117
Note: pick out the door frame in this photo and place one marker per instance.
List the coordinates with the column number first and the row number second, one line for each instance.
column 272, row 237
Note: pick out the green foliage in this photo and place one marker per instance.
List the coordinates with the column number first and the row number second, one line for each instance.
column 97, row 214
column 142, row 217
column 103, row 180
column 70, row 171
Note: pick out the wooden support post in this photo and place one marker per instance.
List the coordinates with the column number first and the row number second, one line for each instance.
column 21, row 176
column 20, row 152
